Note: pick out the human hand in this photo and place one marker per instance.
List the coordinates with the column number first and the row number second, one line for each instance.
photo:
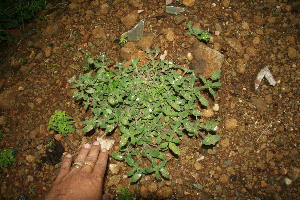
column 85, row 179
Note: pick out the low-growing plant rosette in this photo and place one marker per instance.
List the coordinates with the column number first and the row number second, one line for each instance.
column 152, row 105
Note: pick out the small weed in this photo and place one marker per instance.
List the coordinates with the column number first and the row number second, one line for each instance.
column 61, row 123
column 202, row 36
column 31, row 191
column 7, row 157
column 14, row 13
column 66, row 44
column 124, row 194
column 50, row 144
column 22, row 61
column 123, row 39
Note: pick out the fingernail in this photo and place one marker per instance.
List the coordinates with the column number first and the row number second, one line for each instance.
column 96, row 143
column 87, row 146
column 104, row 150
column 69, row 155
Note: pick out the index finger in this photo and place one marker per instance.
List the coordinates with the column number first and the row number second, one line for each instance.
column 100, row 165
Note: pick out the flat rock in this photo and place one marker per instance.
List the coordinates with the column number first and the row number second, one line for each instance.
column 259, row 103
column 231, row 123
column 7, row 99
column 235, row 44
column 188, row 2
column 99, row 32
column 131, row 19
column 206, row 60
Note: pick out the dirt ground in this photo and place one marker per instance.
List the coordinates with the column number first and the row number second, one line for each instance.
column 257, row 157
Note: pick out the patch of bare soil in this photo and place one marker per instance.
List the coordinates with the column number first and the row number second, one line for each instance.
column 258, row 154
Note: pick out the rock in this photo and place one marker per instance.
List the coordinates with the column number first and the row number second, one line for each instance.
column 131, row 19
column 39, row 57
column 271, row 20
column 178, row 19
column 104, row 9
column 245, row 25
column 114, row 180
column 152, row 187
column 39, row 100
column 58, row 137
column 259, row 103
column 224, row 178
column 206, row 60
column 197, row 166
column 240, row 66
column 231, row 123
column 2, row 120
column 127, row 51
column 216, row 107
column 7, row 99
column 269, row 99
column 235, row 44
column 74, row 6
column 256, row 41
column 226, row 3
column 165, row 192
column 188, row 2
column 47, row 51
column 259, row 20
column 251, row 51
column 30, row 158
column 207, row 113
column 224, row 143
column 99, row 32
column 51, row 30
column 170, row 36
column 144, row 191
column 292, row 52
column 114, row 168
column 146, row 42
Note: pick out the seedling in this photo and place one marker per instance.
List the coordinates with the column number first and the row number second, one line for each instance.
column 61, row 123
column 7, row 157
column 203, row 36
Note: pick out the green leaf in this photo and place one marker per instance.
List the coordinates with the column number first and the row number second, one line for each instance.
column 124, row 140
column 129, row 160
column 211, row 139
column 164, row 173
column 202, row 100
column 215, row 75
column 164, row 146
column 88, row 128
column 118, row 156
column 216, row 84
column 135, row 177
column 212, row 92
column 174, row 148
column 149, row 170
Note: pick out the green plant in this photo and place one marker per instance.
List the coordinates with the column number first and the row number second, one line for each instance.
column 152, row 104
column 7, row 157
column 203, row 36
column 14, row 13
column 123, row 39
column 61, row 123
column 124, row 194
column 31, row 191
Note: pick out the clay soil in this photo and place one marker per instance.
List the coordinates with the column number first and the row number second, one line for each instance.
column 257, row 157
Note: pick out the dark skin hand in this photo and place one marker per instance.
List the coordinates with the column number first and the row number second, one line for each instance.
column 85, row 182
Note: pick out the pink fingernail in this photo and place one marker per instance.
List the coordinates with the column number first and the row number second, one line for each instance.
column 104, row 150
column 87, row 146
column 69, row 155
column 96, row 143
